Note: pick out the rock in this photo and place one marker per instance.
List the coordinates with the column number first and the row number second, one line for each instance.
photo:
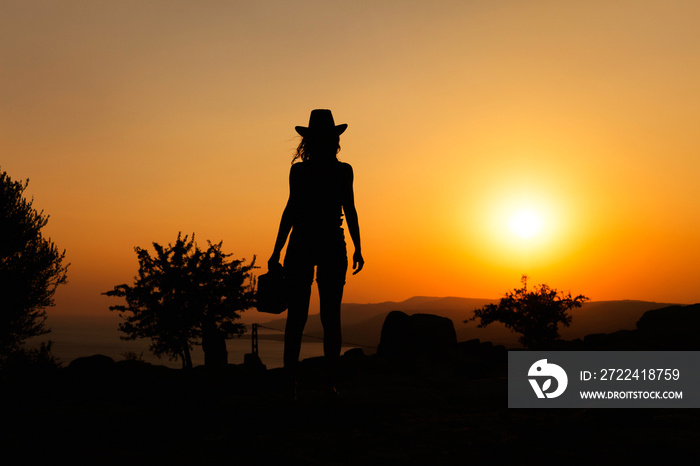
column 671, row 328
column 470, row 346
column 253, row 362
column 671, row 320
column 354, row 353
column 214, row 346
column 96, row 362
column 408, row 337
column 622, row 340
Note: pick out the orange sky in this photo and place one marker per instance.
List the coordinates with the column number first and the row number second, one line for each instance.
column 136, row 120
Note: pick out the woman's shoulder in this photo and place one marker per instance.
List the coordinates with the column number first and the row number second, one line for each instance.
column 345, row 167
column 329, row 169
column 297, row 167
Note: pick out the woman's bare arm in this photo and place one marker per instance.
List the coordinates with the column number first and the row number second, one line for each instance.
column 353, row 224
column 285, row 226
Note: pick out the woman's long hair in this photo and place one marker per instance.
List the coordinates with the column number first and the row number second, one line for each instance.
column 324, row 146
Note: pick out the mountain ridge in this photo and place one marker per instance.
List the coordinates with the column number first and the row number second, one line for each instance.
column 362, row 323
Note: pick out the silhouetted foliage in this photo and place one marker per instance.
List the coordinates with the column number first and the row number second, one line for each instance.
column 184, row 296
column 22, row 359
column 535, row 314
column 132, row 356
column 31, row 267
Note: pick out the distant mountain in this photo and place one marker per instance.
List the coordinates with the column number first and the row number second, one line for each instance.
column 362, row 323
column 607, row 317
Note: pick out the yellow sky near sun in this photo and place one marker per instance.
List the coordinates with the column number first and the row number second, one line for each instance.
column 137, row 120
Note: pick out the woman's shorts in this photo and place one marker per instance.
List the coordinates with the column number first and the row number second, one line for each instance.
column 327, row 253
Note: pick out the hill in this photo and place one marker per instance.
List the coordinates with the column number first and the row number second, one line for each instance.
column 362, row 323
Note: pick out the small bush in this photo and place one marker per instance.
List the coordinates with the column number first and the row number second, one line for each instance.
column 132, row 356
column 34, row 358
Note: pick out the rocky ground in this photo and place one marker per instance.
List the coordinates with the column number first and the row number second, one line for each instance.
column 446, row 410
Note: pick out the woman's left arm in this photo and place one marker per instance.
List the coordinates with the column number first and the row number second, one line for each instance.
column 358, row 261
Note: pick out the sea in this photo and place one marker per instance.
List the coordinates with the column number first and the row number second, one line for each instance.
column 73, row 337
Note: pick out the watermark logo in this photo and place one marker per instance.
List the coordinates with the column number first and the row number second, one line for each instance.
column 545, row 372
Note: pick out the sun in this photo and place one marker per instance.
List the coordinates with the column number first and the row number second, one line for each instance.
column 521, row 226
column 525, row 223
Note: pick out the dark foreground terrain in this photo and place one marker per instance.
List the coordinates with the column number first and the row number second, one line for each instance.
column 429, row 411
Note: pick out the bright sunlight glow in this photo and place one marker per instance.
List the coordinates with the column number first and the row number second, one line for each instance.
column 525, row 223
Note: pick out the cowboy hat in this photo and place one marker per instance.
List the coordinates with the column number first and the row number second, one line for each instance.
column 320, row 121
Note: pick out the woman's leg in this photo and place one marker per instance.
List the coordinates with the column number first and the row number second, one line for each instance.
column 331, row 281
column 297, row 313
column 300, row 276
column 331, row 297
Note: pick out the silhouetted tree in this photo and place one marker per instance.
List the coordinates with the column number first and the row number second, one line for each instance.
column 184, row 296
column 31, row 267
column 535, row 314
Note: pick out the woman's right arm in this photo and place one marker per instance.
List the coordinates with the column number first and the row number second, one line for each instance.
column 285, row 225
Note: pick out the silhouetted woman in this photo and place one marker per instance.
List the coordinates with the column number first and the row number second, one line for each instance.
column 320, row 191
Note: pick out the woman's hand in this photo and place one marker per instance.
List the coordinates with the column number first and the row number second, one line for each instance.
column 357, row 262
